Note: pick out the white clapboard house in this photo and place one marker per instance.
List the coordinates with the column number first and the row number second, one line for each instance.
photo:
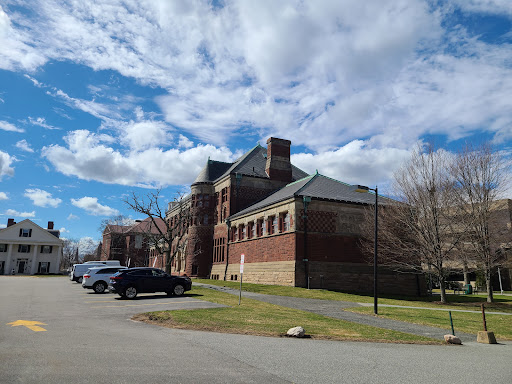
column 27, row 249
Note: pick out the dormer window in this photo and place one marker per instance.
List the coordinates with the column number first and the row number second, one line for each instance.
column 25, row 232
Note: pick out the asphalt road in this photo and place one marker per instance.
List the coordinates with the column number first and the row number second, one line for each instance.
column 90, row 339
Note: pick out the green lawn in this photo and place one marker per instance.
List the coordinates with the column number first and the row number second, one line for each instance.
column 465, row 322
column 471, row 302
column 258, row 318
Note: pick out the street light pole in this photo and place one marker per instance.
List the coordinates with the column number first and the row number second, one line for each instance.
column 364, row 189
column 375, row 247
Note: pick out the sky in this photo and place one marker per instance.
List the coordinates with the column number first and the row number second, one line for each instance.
column 102, row 99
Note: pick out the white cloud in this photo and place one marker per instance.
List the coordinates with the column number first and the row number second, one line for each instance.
column 88, row 157
column 5, row 164
column 3, row 196
column 91, row 206
column 17, row 48
column 63, row 230
column 12, row 212
column 4, row 125
column 41, row 122
column 42, row 198
column 72, row 217
column 387, row 72
column 24, row 146
column 355, row 163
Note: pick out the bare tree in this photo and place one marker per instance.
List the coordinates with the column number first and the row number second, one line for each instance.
column 481, row 178
column 118, row 220
column 418, row 232
column 69, row 253
column 167, row 235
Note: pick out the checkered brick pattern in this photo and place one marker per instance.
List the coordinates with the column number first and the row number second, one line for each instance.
column 319, row 221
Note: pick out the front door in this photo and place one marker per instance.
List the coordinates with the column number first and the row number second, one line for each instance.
column 22, row 266
column 2, row 266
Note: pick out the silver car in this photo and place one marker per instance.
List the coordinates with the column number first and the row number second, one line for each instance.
column 97, row 278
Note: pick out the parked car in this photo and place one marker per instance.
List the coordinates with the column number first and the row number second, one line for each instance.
column 97, row 278
column 130, row 282
column 78, row 270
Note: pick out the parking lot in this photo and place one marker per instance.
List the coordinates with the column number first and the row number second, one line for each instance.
column 54, row 331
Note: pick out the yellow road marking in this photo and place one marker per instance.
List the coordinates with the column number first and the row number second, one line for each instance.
column 32, row 325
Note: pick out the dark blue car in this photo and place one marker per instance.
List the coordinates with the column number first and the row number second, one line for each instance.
column 130, row 282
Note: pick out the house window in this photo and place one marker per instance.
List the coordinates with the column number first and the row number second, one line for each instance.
column 3, row 247
column 138, row 241
column 233, row 234
column 241, row 232
column 224, row 195
column 23, row 248
column 44, row 267
column 25, row 232
column 274, row 224
column 205, row 220
column 46, row 248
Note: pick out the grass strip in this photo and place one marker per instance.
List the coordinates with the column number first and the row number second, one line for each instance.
column 465, row 322
column 258, row 318
column 502, row 303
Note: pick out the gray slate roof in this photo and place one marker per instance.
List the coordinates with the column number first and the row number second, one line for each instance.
column 317, row 187
column 252, row 163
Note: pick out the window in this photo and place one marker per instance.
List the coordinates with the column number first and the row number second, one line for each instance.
column 23, row 248
column 3, row 247
column 138, row 241
column 274, row 225
column 24, row 232
column 46, row 248
column 249, row 230
column 205, row 220
column 219, row 249
column 224, row 195
column 44, row 267
column 286, row 223
column 234, row 234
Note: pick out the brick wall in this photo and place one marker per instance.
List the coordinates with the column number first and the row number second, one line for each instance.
column 279, row 247
column 359, row 278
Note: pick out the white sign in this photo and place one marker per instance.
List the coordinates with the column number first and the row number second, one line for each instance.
column 242, row 257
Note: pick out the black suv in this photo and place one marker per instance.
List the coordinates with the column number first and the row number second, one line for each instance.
column 129, row 282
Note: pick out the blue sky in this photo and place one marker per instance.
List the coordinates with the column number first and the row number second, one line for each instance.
column 98, row 100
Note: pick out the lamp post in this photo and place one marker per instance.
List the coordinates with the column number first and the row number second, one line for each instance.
column 364, row 189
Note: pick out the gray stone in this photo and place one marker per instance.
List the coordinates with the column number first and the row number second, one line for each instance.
column 296, row 332
column 451, row 339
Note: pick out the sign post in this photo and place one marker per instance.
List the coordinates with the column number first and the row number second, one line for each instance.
column 242, row 257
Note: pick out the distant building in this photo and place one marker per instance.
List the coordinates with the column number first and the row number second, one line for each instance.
column 129, row 244
column 28, row 249
column 292, row 228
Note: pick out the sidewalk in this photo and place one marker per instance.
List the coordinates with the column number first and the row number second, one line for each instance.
column 336, row 310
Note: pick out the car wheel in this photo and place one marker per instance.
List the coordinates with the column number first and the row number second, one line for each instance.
column 80, row 279
column 178, row 290
column 99, row 287
column 130, row 292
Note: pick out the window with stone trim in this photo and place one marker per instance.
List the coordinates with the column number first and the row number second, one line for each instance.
column 250, row 230
column 3, row 247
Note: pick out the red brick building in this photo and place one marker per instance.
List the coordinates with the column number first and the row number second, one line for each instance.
column 291, row 227
column 129, row 243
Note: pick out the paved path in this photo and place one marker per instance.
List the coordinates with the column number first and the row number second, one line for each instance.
column 336, row 309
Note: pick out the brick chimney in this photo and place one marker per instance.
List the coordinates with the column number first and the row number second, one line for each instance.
column 50, row 225
column 10, row 222
column 278, row 159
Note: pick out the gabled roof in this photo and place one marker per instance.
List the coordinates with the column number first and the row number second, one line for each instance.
column 50, row 235
column 252, row 163
column 143, row 226
column 316, row 186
